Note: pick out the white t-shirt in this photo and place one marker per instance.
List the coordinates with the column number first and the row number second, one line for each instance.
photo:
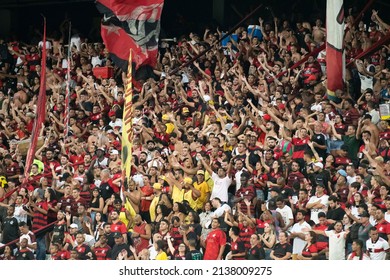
column 286, row 214
column 221, row 186
column 336, row 244
column 299, row 244
column 377, row 249
column 387, row 217
column 314, row 212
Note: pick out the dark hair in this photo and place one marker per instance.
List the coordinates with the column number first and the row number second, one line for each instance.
column 334, row 198
column 321, row 215
column 235, row 230
column 195, row 216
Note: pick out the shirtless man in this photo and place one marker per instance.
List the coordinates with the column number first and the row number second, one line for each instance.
column 319, row 32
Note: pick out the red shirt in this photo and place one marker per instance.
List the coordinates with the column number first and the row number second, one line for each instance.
column 214, row 241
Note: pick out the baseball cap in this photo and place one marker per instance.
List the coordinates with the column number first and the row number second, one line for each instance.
column 117, row 235
column 200, row 172
column 364, row 215
column 266, row 117
column 185, row 110
column 157, row 186
column 111, row 113
column 162, row 177
column 281, row 106
column 114, row 152
column 319, row 164
column 342, row 172
column 117, row 201
column 165, row 117
column 74, row 226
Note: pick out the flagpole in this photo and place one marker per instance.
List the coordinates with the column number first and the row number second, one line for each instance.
column 127, row 130
column 67, row 91
column 40, row 111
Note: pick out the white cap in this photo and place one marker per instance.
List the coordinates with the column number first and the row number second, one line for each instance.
column 319, row 164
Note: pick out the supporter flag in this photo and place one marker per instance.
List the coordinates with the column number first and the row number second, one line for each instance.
column 131, row 24
column 67, row 92
column 41, row 110
column 335, row 62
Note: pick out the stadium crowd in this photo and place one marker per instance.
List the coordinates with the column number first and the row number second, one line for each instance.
column 230, row 159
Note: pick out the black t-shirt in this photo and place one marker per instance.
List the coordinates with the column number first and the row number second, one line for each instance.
column 105, row 190
column 281, row 250
column 255, row 253
column 10, row 229
column 118, row 248
column 320, row 140
column 24, row 254
column 335, row 214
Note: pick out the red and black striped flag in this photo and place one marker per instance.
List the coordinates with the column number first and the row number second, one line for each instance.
column 131, row 24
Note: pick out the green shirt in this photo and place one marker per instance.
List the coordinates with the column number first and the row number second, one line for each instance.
column 353, row 145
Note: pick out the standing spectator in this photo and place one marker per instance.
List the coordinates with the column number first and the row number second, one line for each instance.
column 377, row 247
column 23, row 253
column 237, row 246
column 298, row 235
column 9, row 227
column 337, row 238
column 215, row 242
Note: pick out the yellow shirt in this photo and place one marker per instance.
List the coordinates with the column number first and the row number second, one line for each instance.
column 162, row 256
column 188, row 196
column 152, row 208
column 209, row 180
column 177, row 194
column 204, row 188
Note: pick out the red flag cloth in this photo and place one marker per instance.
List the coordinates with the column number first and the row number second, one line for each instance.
column 41, row 111
column 131, row 24
column 335, row 63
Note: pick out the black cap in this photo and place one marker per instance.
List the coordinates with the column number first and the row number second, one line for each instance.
column 117, row 235
column 117, row 201
column 365, row 214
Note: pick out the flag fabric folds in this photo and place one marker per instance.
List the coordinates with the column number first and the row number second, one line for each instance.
column 41, row 111
column 127, row 130
column 131, row 24
column 335, row 61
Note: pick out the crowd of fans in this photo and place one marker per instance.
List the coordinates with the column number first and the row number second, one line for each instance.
column 230, row 159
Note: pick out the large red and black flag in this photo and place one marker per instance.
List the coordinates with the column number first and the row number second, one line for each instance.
column 335, row 60
column 131, row 24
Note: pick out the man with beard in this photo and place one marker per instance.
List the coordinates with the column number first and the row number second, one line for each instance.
column 48, row 160
column 100, row 158
column 9, row 226
column 337, row 238
column 294, row 175
column 335, row 212
column 59, row 229
column 150, row 148
column 297, row 233
column 141, row 234
column 114, row 159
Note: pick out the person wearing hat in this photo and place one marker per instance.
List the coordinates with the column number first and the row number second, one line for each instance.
column 114, row 160
column 341, row 187
column 121, row 251
column 201, row 185
column 317, row 203
column 190, row 193
column 169, row 126
column 320, row 176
